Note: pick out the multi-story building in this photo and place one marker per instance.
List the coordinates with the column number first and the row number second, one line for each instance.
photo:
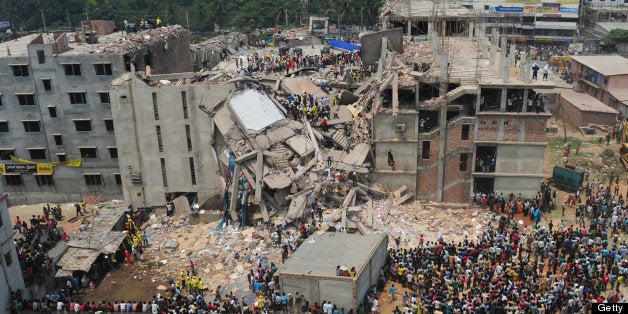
column 55, row 106
column 456, row 126
column 165, row 139
column 11, row 279
column 603, row 77
column 518, row 20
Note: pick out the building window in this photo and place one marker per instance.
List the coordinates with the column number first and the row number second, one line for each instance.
column 463, row 162
column 605, row 80
column 52, row 110
column 26, row 99
column 78, row 98
column 20, row 70
column 155, row 108
column 188, row 136
column 595, row 93
column 44, row 180
column 1, row 103
column 13, row 179
column 47, row 84
column 108, row 124
column 160, row 143
column 113, row 152
column 83, row 125
column 164, row 177
column 103, row 69
column 104, row 98
column 72, row 69
column 118, row 178
column 88, row 152
column 8, row 260
column 31, row 126
column 5, row 154
column 4, row 126
column 58, row 139
column 465, row 132
column 61, row 157
column 425, row 150
column 192, row 171
column 93, row 179
column 41, row 57
column 184, row 101
column 37, row 153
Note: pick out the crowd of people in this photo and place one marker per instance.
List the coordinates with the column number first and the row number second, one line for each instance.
column 519, row 268
column 34, row 243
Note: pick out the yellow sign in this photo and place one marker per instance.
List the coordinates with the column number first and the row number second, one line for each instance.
column 3, row 169
column 70, row 163
column 568, row 1
column 44, row 169
column 523, row 1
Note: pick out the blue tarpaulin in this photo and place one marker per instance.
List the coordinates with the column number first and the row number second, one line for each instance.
column 343, row 45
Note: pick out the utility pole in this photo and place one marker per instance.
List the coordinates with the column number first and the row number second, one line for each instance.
column 187, row 19
column 361, row 17
column 86, row 14
column 69, row 23
column 43, row 19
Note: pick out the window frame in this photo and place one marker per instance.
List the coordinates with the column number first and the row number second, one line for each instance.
column 88, row 152
column 44, row 179
column 76, row 127
column 82, row 98
column 20, row 70
column 39, row 151
column 26, row 99
column 72, row 69
column 26, row 123
column 106, row 68
column 93, row 179
column 16, row 179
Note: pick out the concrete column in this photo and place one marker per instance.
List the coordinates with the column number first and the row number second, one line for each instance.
column 500, row 133
column 409, row 25
column 525, row 100
column 471, row 29
column 430, row 29
column 416, row 94
column 502, row 101
column 478, row 99
column 443, row 28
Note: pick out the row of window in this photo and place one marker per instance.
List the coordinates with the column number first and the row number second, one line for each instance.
column 70, row 69
column 39, row 153
column 81, row 125
column 75, row 98
column 47, row 180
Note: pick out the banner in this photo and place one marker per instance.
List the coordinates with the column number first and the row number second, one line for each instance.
column 28, row 168
column 569, row 10
column 509, row 9
column 568, row 1
column 69, row 163
column 541, row 10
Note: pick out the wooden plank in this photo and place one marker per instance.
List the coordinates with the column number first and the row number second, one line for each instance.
column 259, row 176
column 247, row 156
column 404, row 198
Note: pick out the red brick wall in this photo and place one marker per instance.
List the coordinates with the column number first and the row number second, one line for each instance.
column 512, row 128
column 488, row 128
column 427, row 180
column 535, row 130
column 458, row 193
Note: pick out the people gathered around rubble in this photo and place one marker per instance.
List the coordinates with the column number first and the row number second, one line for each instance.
column 519, row 268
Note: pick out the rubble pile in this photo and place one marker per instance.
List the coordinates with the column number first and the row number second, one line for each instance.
column 132, row 42
column 231, row 41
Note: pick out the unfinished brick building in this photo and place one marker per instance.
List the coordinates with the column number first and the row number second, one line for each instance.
column 446, row 126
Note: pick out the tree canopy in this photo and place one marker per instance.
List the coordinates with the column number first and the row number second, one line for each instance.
column 616, row 36
column 200, row 15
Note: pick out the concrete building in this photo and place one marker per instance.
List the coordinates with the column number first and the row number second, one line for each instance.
column 11, row 279
column 581, row 109
column 311, row 269
column 164, row 139
column 55, row 106
column 603, row 77
column 442, row 145
column 549, row 21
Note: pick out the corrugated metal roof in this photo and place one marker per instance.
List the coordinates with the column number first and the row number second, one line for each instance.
column 78, row 259
column 605, row 65
column 255, row 110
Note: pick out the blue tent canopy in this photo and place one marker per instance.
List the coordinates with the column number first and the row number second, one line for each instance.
column 343, row 45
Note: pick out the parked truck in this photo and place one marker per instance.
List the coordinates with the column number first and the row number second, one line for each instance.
column 568, row 178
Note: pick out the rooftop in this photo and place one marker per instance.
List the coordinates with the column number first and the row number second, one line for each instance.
column 424, row 8
column 17, row 47
column 256, row 110
column 585, row 102
column 319, row 255
column 605, row 65
column 609, row 26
